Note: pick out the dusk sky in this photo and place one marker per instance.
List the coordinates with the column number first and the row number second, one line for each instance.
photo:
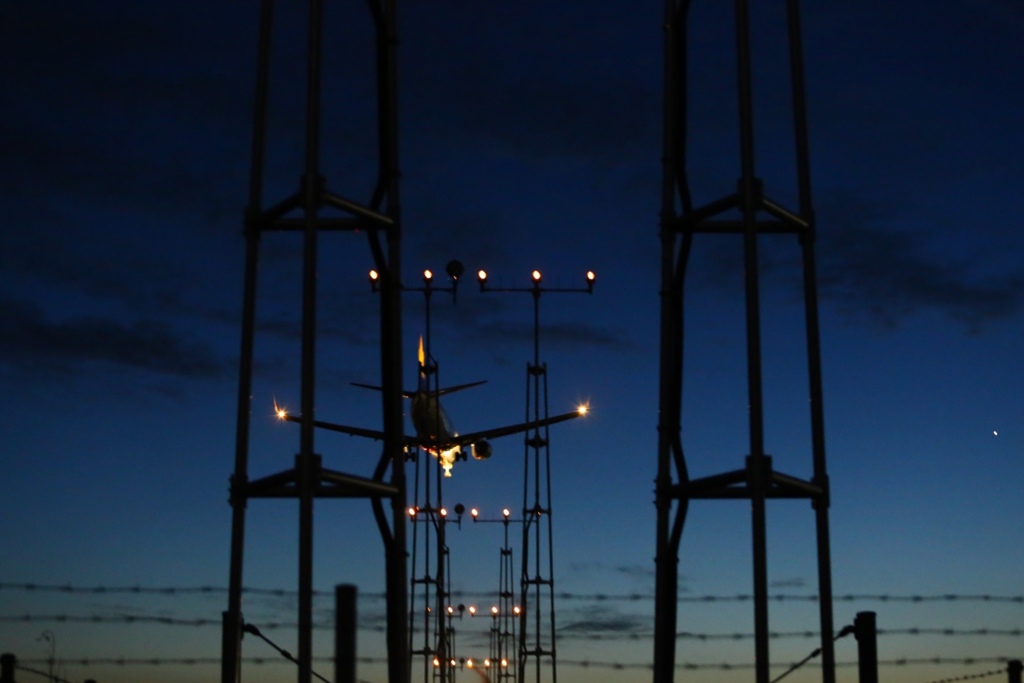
column 530, row 138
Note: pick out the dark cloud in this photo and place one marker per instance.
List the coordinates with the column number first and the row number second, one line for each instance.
column 886, row 275
column 870, row 268
column 572, row 335
column 603, row 622
column 27, row 336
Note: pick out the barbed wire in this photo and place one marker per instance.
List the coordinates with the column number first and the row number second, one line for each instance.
column 565, row 634
column 598, row 597
column 582, row 663
column 994, row 672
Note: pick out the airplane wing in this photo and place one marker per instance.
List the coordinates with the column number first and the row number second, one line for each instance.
column 344, row 429
column 474, row 437
column 458, row 387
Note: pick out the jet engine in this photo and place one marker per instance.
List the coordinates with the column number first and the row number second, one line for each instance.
column 481, row 450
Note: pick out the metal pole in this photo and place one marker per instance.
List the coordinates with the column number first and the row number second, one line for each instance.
column 867, row 646
column 1013, row 670
column 8, row 662
column 306, row 473
column 758, row 469
column 231, row 637
column 345, row 633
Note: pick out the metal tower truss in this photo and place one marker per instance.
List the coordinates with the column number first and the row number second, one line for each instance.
column 431, row 635
column 537, row 582
column 309, row 212
column 681, row 220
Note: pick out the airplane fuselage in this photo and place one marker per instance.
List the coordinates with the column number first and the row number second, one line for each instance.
column 429, row 418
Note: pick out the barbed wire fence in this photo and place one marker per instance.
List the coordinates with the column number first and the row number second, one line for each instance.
column 201, row 622
column 596, row 597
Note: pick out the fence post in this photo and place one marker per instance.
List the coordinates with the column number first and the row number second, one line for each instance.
column 345, row 633
column 867, row 646
column 7, row 664
column 1013, row 670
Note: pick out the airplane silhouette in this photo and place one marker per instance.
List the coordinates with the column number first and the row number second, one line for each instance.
column 434, row 431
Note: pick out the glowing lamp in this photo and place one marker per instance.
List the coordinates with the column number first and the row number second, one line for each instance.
column 536, row 276
column 506, row 512
column 427, row 275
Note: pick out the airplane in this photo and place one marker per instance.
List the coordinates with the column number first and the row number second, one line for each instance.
column 434, row 431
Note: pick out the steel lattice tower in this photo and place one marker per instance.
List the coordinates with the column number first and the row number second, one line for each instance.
column 537, row 632
column 309, row 213
column 759, row 215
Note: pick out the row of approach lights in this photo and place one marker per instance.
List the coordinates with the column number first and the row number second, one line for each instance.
column 455, row 270
column 460, row 508
column 468, row 662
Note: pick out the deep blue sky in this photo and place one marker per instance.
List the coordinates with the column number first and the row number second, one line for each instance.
column 530, row 137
